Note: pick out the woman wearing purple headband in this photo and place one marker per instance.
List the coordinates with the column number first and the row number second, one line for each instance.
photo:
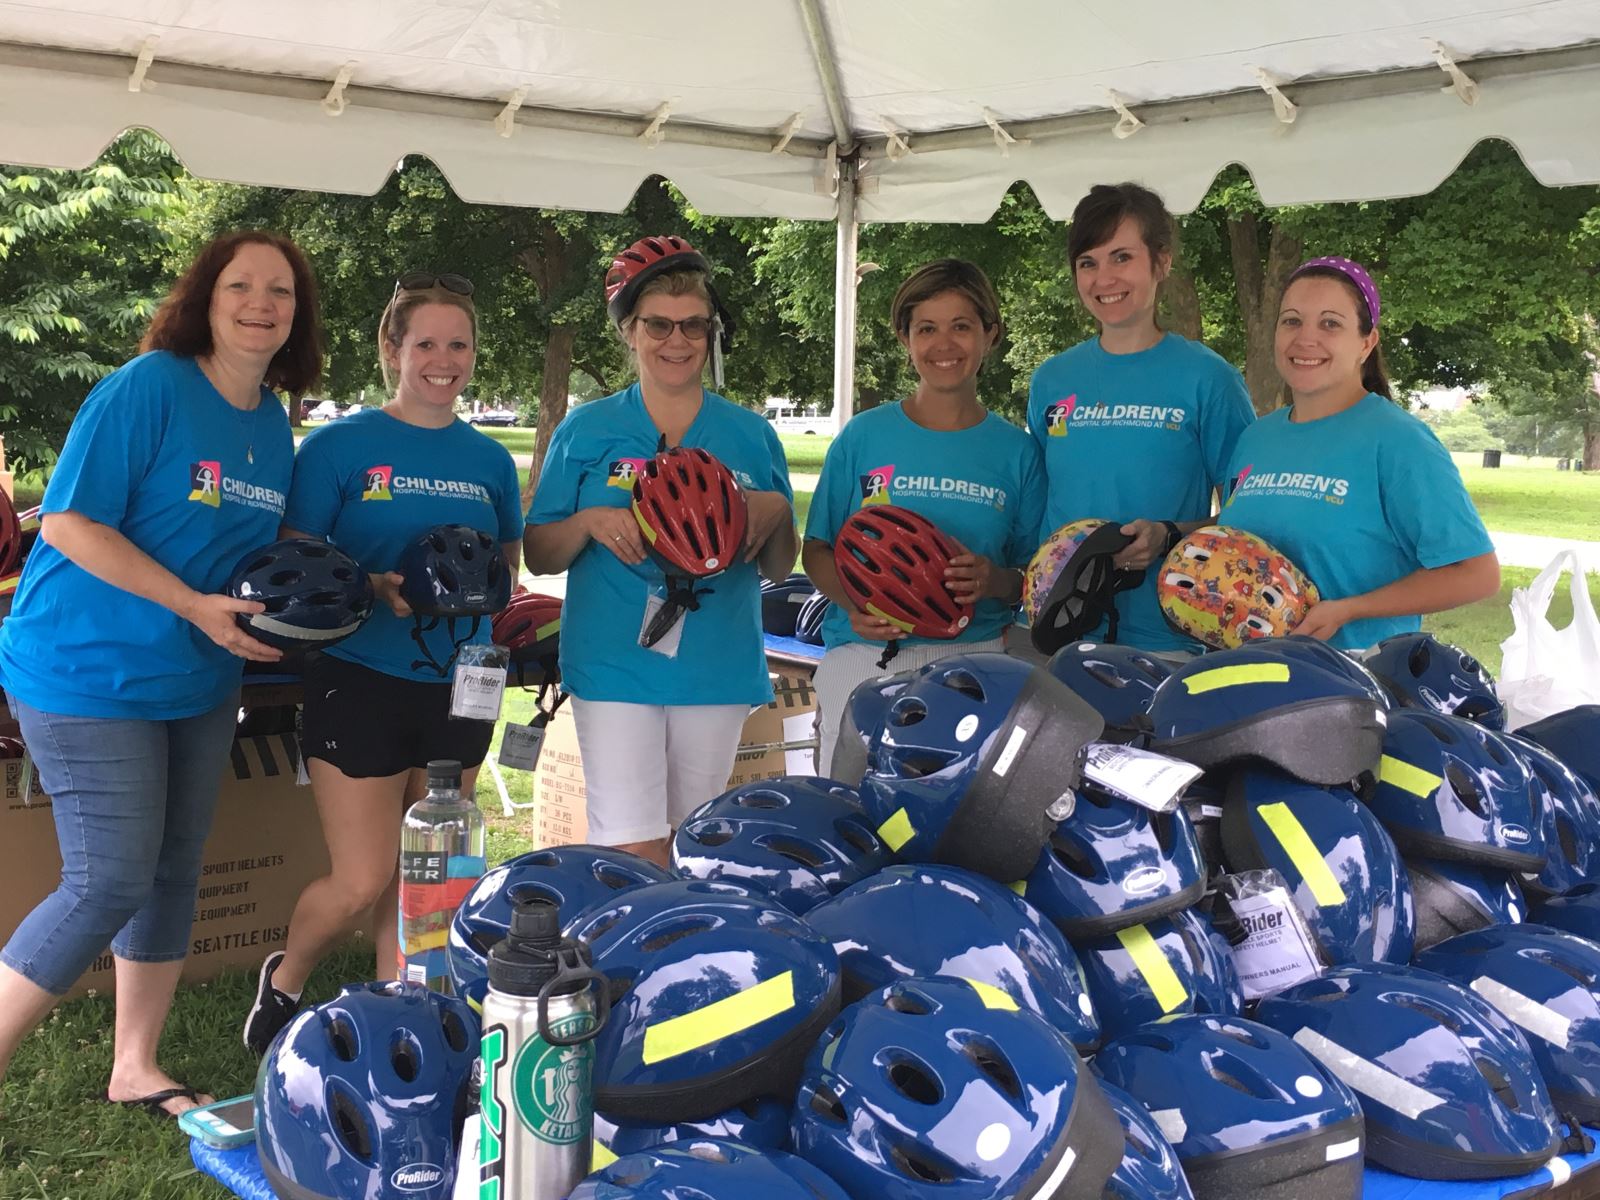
column 1348, row 484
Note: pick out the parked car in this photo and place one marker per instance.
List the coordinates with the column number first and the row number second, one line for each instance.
column 786, row 416
column 493, row 416
column 324, row 410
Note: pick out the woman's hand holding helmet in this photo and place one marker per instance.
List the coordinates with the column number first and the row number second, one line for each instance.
column 1325, row 619
column 213, row 615
column 1149, row 545
column 618, row 531
column 767, row 512
column 873, row 628
column 386, row 586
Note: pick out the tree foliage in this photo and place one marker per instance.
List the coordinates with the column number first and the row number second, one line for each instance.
column 81, row 270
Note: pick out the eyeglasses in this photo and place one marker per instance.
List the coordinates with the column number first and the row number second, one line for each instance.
column 416, row 281
column 696, row 329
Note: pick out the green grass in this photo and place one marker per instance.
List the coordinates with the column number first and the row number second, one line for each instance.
column 1541, row 500
column 805, row 451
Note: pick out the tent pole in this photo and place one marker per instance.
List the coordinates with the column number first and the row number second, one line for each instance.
column 844, row 298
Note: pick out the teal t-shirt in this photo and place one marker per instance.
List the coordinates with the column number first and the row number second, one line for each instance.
column 984, row 486
column 1356, row 500
column 157, row 454
column 594, row 455
column 371, row 484
column 1129, row 436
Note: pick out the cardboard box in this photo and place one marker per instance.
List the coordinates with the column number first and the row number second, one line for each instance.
column 778, row 739
column 265, row 846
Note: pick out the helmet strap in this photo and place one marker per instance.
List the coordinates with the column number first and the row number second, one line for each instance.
column 889, row 651
column 418, row 629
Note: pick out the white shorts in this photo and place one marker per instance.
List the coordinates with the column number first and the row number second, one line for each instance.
column 844, row 667
column 648, row 766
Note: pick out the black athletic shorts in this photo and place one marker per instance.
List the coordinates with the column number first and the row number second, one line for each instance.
column 370, row 725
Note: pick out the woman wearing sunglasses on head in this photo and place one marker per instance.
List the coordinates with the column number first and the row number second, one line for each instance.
column 658, row 712
column 1354, row 489
column 375, row 711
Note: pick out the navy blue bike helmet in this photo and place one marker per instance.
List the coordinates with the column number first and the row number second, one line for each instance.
column 365, row 1095
column 859, row 724
column 1112, row 863
column 1342, row 868
column 1149, row 1169
column 708, row 1169
column 780, row 603
column 1314, row 650
column 799, row 838
column 1249, row 1114
column 716, row 996
column 1450, row 788
column 1456, row 897
column 451, row 573
column 1449, row 1087
column 1178, row 964
column 1571, row 820
column 925, row 920
column 971, row 756
column 573, row 878
column 808, row 621
column 1573, row 737
column 1260, row 703
column 762, row 1123
column 1576, row 910
column 1118, row 682
column 315, row 593
column 936, row 1088
column 1547, row 983
column 1423, row 672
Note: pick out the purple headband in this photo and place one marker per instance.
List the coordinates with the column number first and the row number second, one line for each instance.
column 1351, row 270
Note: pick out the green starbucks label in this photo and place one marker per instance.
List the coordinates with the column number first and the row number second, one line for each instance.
column 549, row 1083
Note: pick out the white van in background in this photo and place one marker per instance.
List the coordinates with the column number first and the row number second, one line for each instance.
column 789, row 416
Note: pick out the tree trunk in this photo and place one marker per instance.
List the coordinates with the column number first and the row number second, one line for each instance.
column 1591, row 444
column 1259, row 287
column 552, row 395
column 1180, row 303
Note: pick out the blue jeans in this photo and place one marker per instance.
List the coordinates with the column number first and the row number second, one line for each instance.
column 133, row 802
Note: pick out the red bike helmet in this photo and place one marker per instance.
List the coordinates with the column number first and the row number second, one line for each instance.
column 648, row 258
column 530, row 627
column 891, row 562
column 10, row 535
column 692, row 512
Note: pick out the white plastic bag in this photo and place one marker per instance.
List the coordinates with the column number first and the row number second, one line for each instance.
column 1545, row 670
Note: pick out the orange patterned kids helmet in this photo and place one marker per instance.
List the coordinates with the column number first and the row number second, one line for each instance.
column 1224, row 587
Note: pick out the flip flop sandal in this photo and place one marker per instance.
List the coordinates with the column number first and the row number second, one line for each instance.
column 153, row 1102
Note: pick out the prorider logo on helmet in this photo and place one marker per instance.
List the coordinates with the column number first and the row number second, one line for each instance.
column 416, row 1177
column 548, row 1083
column 1515, row 833
column 1143, row 880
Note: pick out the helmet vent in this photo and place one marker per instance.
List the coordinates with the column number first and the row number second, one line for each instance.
column 1568, row 838
column 709, row 1152
column 1431, row 1011
column 286, row 577
column 455, row 1030
column 350, row 1125
column 342, row 1037
column 764, row 798
column 1240, row 1078
column 1570, row 969
column 1106, row 674
column 405, row 1056
column 826, row 1104
column 905, row 1000
column 1419, row 658
column 920, row 1163
column 1075, row 858
column 966, row 683
column 664, row 939
column 1164, row 826
column 915, row 1082
column 1497, row 750
column 856, row 835
column 1498, row 1083
column 796, row 851
column 616, row 880
column 1137, row 1147
column 919, row 764
column 987, row 1058
column 711, row 833
column 605, row 925
column 1465, row 788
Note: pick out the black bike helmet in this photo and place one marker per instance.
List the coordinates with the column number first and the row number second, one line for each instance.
column 315, row 594
column 452, row 572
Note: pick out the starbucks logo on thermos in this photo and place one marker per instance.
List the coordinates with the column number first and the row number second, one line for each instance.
column 549, row 1083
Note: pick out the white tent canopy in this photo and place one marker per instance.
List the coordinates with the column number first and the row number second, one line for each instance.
column 749, row 106
column 850, row 110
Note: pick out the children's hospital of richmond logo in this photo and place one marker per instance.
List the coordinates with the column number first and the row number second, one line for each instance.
column 882, row 485
column 209, row 486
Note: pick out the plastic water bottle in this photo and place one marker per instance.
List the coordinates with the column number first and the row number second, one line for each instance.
column 441, row 857
column 546, row 1004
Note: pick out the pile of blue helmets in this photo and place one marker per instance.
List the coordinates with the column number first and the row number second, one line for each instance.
column 958, row 969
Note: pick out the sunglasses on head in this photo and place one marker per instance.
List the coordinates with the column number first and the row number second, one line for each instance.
column 696, row 329
column 417, row 281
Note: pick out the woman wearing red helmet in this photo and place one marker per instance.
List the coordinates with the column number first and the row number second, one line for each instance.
column 638, row 493
column 944, row 457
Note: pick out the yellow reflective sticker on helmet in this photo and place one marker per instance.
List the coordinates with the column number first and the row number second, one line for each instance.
column 1163, row 981
column 723, row 1018
column 547, row 629
column 1020, row 887
column 599, row 1156
column 644, row 526
column 897, row 830
column 1222, row 677
column 992, row 996
column 1303, row 853
column 1406, row 777
column 897, row 622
